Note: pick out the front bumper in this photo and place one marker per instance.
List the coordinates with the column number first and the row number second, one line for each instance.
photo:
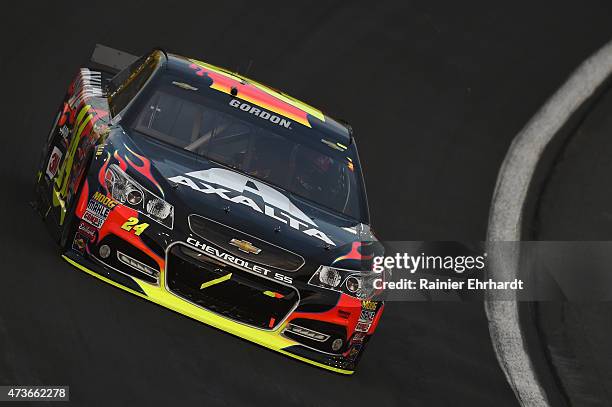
column 271, row 339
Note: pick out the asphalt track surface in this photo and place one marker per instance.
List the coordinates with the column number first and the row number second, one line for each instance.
column 576, row 204
column 435, row 92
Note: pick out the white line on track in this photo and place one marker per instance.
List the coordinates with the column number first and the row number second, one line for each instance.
column 506, row 215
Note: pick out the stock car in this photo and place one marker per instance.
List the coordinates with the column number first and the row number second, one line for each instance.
column 217, row 197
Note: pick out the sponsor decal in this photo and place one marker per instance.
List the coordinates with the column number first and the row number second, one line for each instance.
column 227, row 257
column 54, row 162
column 64, row 131
column 104, row 200
column 78, row 243
column 98, row 209
column 352, row 354
column 369, row 305
column 367, row 316
column 93, row 219
column 87, row 230
column 358, row 337
column 274, row 101
column 363, row 326
column 262, row 114
column 257, row 196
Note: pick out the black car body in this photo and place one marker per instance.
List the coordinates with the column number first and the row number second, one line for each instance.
column 218, row 197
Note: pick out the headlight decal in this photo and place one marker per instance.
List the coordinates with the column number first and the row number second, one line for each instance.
column 159, row 208
column 355, row 283
column 125, row 190
column 330, row 276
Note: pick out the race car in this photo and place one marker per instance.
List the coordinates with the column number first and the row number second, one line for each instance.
column 217, row 197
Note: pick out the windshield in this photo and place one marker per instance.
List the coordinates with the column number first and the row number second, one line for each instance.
column 307, row 165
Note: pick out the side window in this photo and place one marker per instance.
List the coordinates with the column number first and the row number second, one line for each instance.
column 126, row 84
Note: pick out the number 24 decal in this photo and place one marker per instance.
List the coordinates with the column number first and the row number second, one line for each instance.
column 132, row 224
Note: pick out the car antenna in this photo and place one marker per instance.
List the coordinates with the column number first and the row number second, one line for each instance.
column 249, row 66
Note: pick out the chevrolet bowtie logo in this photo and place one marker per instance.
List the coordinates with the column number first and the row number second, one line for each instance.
column 245, row 246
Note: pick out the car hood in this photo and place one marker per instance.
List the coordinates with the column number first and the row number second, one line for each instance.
column 197, row 186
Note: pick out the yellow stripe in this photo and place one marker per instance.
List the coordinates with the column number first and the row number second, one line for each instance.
column 60, row 190
column 216, row 281
column 282, row 96
column 84, row 110
column 93, row 273
column 313, row 362
column 83, row 124
column 269, row 339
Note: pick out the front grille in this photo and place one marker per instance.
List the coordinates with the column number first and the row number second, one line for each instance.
column 242, row 296
column 221, row 235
